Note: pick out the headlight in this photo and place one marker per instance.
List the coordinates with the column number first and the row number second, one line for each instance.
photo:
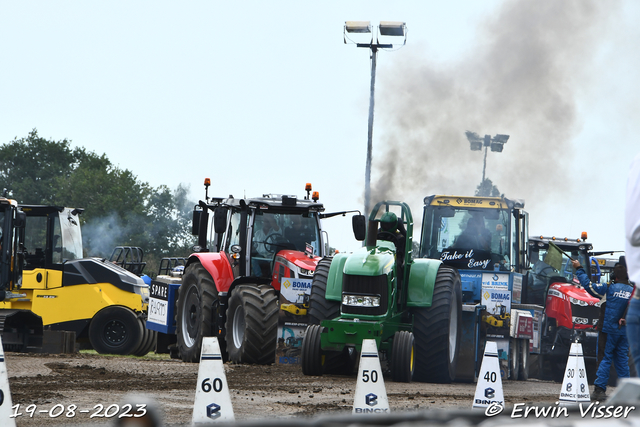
column 361, row 300
column 577, row 301
column 306, row 272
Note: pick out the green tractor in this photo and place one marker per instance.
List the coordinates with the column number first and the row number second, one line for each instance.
column 411, row 307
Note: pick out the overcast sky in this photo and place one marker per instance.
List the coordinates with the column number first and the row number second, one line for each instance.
column 264, row 96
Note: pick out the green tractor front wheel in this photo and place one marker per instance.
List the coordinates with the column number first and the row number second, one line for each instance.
column 311, row 356
column 316, row 361
column 402, row 357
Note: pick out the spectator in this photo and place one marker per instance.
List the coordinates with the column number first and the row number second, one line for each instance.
column 617, row 347
column 632, row 255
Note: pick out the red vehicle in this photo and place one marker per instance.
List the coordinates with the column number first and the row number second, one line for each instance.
column 569, row 314
column 231, row 282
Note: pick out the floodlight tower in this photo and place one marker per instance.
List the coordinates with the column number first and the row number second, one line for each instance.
column 476, row 143
column 385, row 28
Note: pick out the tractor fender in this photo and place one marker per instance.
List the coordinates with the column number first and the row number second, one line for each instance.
column 421, row 281
column 334, row 280
column 218, row 266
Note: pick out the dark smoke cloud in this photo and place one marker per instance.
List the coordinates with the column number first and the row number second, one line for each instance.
column 521, row 78
column 100, row 236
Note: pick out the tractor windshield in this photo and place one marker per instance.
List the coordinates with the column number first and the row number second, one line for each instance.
column 542, row 274
column 467, row 238
column 273, row 232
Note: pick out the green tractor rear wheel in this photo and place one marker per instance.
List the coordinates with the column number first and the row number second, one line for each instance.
column 402, row 357
column 437, row 330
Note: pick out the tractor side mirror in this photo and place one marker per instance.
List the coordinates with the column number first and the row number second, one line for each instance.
column 21, row 219
column 359, row 224
column 195, row 223
column 220, row 220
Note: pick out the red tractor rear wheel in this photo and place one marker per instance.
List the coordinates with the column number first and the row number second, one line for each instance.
column 252, row 324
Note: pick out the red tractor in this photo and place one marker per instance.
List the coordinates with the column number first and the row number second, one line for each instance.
column 570, row 313
column 231, row 282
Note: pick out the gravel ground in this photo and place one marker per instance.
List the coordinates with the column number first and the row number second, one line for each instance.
column 257, row 392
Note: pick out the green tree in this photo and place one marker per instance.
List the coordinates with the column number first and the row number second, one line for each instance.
column 120, row 210
column 31, row 167
column 487, row 189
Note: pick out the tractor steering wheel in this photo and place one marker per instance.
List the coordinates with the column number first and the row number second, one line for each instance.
column 277, row 240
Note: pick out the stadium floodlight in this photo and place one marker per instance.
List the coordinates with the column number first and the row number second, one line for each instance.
column 474, row 141
column 392, row 28
column 385, row 28
column 496, row 144
column 501, row 138
column 357, row 26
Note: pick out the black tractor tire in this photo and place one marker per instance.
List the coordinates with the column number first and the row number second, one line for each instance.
column 402, row 357
column 550, row 368
column 152, row 342
column 524, row 359
column 148, row 342
column 514, row 359
column 319, row 307
column 437, row 330
column 194, row 311
column 115, row 330
column 252, row 324
column 311, row 358
column 144, row 341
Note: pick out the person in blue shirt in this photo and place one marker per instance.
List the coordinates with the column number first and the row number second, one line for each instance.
column 617, row 348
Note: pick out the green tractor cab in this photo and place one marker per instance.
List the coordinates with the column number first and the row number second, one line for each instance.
column 411, row 307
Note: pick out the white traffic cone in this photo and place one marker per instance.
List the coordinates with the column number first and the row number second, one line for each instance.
column 489, row 387
column 5, row 394
column 213, row 400
column 371, row 395
column 575, row 388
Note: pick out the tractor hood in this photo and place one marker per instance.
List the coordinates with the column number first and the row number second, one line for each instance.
column 572, row 307
column 371, row 261
column 574, row 294
column 300, row 259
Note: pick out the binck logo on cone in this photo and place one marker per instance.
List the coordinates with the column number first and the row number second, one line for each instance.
column 371, row 399
column 213, row 411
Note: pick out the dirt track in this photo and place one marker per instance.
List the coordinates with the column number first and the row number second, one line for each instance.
column 87, row 380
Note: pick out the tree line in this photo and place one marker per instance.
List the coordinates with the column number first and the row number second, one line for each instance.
column 120, row 210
